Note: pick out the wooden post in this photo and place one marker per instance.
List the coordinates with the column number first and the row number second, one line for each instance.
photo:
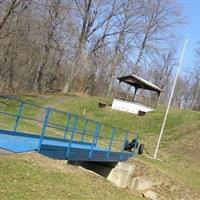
column 116, row 94
column 157, row 99
column 127, row 93
column 134, row 94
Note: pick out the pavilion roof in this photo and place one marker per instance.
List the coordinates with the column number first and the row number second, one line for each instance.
column 139, row 83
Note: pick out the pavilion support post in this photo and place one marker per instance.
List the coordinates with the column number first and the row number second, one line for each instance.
column 156, row 103
column 127, row 93
column 117, row 91
column 136, row 89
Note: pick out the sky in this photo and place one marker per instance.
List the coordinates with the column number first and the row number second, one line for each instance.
column 190, row 31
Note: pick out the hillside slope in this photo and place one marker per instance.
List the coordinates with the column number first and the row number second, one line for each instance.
column 179, row 150
column 32, row 176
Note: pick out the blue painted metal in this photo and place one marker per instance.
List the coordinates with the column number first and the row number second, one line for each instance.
column 110, row 143
column 18, row 115
column 123, row 145
column 94, row 140
column 44, row 128
column 52, row 147
column 96, row 133
column 67, row 125
column 84, row 130
column 72, row 136
column 21, row 142
column 63, row 148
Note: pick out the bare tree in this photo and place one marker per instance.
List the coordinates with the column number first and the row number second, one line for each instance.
column 94, row 16
column 82, row 45
column 196, row 82
column 160, row 19
column 11, row 45
column 8, row 11
column 127, row 23
column 161, row 70
column 53, row 9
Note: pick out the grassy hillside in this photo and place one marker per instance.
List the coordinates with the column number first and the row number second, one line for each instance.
column 179, row 149
column 32, row 176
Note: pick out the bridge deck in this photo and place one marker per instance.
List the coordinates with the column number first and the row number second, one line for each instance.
column 18, row 142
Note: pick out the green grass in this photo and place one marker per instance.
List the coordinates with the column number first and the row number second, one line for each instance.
column 36, row 177
column 179, row 148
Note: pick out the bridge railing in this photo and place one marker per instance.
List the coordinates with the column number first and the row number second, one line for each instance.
column 25, row 116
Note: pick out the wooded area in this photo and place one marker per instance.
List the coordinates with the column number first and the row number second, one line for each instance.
column 83, row 45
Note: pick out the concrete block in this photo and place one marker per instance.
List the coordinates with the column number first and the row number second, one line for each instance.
column 141, row 184
column 121, row 175
column 119, row 178
column 126, row 167
column 150, row 195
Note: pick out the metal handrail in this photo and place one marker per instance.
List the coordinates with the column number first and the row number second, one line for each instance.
column 73, row 129
column 60, row 111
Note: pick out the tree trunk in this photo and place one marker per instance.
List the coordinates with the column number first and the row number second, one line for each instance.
column 139, row 57
column 37, row 84
column 12, row 6
column 115, row 62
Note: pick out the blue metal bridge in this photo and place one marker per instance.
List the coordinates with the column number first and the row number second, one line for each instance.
column 25, row 126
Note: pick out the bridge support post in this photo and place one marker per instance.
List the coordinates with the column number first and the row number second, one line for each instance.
column 18, row 115
column 72, row 136
column 94, row 140
column 67, row 125
column 110, row 143
column 43, row 128
column 84, row 130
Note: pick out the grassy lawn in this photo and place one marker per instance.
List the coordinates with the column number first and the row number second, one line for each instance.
column 179, row 148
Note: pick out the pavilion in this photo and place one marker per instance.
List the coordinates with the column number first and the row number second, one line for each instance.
column 134, row 103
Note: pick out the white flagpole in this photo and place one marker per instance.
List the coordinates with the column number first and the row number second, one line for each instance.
column 170, row 100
